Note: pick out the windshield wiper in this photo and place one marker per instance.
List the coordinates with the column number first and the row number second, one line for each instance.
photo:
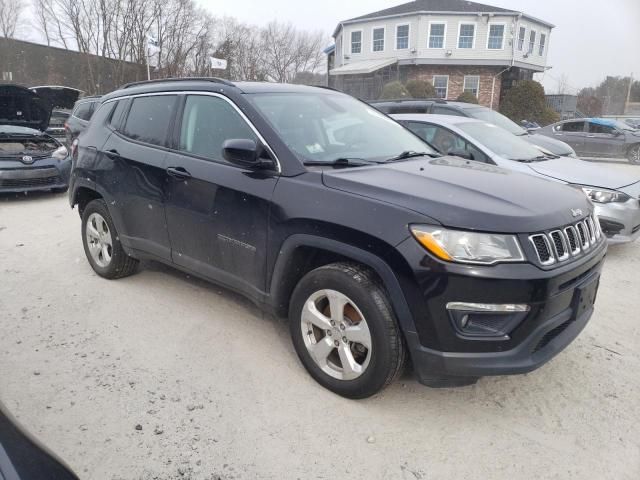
column 343, row 161
column 410, row 154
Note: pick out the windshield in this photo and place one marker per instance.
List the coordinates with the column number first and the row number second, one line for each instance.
column 501, row 142
column 496, row 118
column 322, row 127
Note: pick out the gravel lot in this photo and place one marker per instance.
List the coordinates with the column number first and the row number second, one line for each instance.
column 164, row 376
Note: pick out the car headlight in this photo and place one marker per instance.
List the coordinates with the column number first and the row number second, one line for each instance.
column 468, row 247
column 602, row 195
column 61, row 153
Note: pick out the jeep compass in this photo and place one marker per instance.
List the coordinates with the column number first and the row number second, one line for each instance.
column 320, row 208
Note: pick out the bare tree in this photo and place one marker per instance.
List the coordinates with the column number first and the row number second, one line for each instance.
column 10, row 15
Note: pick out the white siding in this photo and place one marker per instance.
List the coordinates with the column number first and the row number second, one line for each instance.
column 419, row 36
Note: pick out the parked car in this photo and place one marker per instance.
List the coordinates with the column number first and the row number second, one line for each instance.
column 461, row 109
column 29, row 158
column 61, row 100
column 597, row 137
column 614, row 194
column 80, row 116
column 22, row 457
column 320, row 208
column 633, row 122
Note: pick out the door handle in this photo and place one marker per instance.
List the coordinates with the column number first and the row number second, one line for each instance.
column 112, row 154
column 178, row 172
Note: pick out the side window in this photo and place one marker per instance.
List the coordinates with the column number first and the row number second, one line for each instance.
column 573, row 127
column 437, row 109
column 207, row 122
column 83, row 111
column 425, row 131
column 93, row 106
column 114, row 122
column 149, row 118
column 597, row 128
column 102, row 114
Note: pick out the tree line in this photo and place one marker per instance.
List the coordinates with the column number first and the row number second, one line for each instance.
column 184, row 37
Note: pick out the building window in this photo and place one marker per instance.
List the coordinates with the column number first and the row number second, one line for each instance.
column 543, row 41
column 496, row 37
column 441, row 84
column 522, row 32
column 356, row 42
column 402, row 37
column 378, row 39
column 467, row 34
column 436, row 35
column 471, row 84
column 7, row 76
column 532, row 41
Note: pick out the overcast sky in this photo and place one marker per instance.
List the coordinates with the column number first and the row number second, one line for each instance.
column 591, row 39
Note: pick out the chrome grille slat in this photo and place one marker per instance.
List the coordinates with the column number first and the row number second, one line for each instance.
column 557, row 246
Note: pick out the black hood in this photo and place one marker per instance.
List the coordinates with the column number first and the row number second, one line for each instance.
column 22, row 107
column 464, row 194
column 552, row 145
column 58, row 96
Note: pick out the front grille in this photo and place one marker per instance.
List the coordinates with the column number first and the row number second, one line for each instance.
column 29, row 182
column 562, row 244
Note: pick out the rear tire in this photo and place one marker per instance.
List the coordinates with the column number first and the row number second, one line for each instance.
column 102, row 243
column 634, row 155
column 344, row 330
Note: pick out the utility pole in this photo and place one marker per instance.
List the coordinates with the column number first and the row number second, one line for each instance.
column 626, row 104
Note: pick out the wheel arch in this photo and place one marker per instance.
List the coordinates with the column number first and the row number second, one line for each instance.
column 301, row 253
column 82, row 196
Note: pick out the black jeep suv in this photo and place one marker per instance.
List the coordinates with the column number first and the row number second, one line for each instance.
column 319, row 207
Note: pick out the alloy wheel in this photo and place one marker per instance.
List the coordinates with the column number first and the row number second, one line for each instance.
column 99, row 240
column 336, row 334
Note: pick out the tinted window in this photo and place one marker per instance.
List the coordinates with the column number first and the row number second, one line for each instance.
column 596, row 128
column 447, row 111
column 149, row 118
column 117, row 113
column 207, row 122
column 573, row 127
column 83, row 111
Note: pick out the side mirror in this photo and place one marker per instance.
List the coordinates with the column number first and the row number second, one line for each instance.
column 461, row 153
column 244, row 153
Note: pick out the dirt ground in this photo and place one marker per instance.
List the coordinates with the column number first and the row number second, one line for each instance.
column 162, row 376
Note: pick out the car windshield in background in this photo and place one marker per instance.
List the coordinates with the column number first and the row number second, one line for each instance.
column 491, row 116
column 501, row 142
column 327, row 127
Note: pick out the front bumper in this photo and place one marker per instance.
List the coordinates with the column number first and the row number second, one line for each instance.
column 46, row 174
column 560, row 300
column 620, row 222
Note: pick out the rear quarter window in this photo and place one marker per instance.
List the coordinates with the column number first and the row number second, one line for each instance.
column 149, row 119
column 83, row 111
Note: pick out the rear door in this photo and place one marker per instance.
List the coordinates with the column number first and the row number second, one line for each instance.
column 573, row 133
column 603, row 140
column 133, row 171
column 217, row 213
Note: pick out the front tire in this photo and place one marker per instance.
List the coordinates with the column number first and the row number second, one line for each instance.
column 102, row 244
column 345, row 332
column 634, row 154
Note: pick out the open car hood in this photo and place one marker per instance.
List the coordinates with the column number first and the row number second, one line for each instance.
column 58, row 96
column 581, row 172
column 22, row 107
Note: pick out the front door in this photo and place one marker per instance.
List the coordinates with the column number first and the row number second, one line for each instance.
column 573, row 133
column 217, row 213
column 603, row 140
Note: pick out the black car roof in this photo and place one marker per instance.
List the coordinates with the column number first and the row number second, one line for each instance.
column 208, row 84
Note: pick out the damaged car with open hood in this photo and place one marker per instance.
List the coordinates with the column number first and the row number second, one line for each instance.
column 30, row 159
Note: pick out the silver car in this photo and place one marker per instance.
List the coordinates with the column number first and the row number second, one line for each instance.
column 614, row 194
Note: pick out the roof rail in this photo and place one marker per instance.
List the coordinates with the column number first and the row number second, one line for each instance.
column 179, row 79
column 409, row 99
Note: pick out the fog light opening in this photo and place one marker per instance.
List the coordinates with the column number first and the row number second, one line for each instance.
column 484, row 321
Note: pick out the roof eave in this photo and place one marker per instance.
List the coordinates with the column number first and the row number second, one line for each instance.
column 426, row 12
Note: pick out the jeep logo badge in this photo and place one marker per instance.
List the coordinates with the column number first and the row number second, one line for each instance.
column 27, row 159
column 576, row 212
